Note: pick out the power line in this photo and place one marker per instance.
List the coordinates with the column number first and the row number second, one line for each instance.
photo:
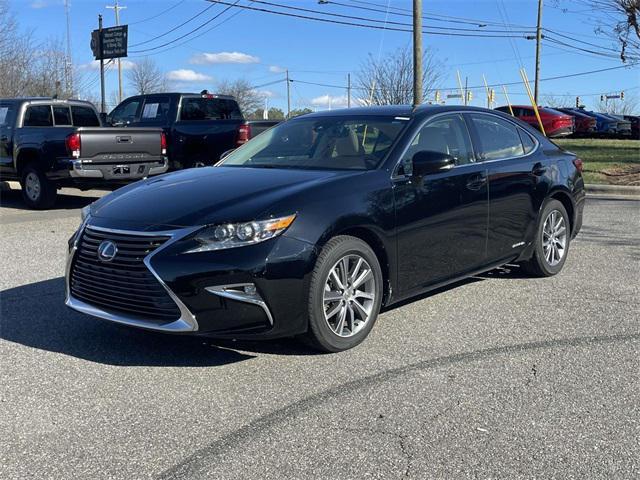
column 192, row 38
column 363, row 25
column 188, row 33
column 174, row 28
column 373, row 20
column 431, row 16
column 158, row 14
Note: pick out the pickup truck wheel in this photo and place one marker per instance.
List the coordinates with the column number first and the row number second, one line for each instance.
column 37, row 190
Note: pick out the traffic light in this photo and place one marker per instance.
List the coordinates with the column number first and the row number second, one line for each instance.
column 577, row 102
column 621, row 95
column 492, row 95
column 437, row 96
column 469, row 96
column 602, row 98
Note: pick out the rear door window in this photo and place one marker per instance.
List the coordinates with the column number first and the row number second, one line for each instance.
column 205, row 108
column 6, row 116
column 38, row 116
column 126, row 112
column 528, row 143
column 498, row 139
column 61, row 116
column 84, row 117
column 156, row 109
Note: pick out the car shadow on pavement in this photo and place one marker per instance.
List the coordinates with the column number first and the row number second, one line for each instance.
column 35, row 316
column 13, row 199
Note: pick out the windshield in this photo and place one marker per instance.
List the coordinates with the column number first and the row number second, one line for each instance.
column 327, row 143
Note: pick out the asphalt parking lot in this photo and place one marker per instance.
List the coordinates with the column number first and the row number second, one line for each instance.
column 501, row 376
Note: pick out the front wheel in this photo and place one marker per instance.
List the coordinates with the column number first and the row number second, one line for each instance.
column 552, row 241
column 345, row 294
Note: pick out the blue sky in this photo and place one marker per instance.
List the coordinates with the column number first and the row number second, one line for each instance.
column 259, row 46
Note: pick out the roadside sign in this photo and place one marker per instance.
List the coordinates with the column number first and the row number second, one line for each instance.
column 110, row 42
column 454, row 95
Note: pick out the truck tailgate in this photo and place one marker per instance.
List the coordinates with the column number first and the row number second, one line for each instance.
column 120, row 145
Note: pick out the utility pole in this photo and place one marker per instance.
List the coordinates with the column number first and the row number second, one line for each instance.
column 466, row 90
column 103, row 108
column 538, row 46
column 68, row 70
column 288, row 95
column 348, row 90
column 116, row 8
column 417, row 52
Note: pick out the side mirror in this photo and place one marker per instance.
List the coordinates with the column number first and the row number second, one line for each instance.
column 427, row 162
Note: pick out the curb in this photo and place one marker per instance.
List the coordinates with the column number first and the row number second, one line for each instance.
column 622, row 190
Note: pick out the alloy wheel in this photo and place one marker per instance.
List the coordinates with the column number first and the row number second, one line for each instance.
column 349, row 295
column 32, row 186
column 554, row 238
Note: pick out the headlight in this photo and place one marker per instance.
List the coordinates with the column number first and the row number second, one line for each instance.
column 84, row 213
column 232, row 235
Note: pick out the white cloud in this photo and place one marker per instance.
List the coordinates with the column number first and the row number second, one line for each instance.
column 184, row 75
column 95, row 65
column 223, row 57
column 38, row 4
column 276, row 69
column 330, row 101
column 265, row 93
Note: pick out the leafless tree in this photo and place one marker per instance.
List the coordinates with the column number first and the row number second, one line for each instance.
column 28, row 67
column 146, row 77
column 389, row 79
column 248, row 98
column 616, row 20
column 558, row 101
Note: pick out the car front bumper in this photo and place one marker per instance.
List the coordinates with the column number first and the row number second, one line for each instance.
column 257, row 291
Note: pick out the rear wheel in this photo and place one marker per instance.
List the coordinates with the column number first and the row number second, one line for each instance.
column 345, row 295
column 37, row 190
column 552, row 241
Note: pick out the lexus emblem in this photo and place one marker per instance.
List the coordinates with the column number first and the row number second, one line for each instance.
column 107, row 251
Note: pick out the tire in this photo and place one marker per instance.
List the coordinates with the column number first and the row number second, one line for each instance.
column 545, row 262
column 360, row 310
column 38, row 191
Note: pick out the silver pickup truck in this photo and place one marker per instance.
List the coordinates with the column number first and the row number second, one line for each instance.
column 46, row 144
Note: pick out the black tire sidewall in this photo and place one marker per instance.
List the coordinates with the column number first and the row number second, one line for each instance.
column 335, row 249
column 539, row 258
column 48, row 192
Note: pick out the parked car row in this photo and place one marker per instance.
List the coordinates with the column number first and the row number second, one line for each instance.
column 47, row 144
column 560, row 122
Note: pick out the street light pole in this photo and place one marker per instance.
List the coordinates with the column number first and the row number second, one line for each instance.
column 417, row 52
column 538, row 46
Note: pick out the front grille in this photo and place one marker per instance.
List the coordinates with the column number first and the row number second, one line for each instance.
column 123, row 285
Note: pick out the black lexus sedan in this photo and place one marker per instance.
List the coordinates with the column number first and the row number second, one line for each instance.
column 311, row 227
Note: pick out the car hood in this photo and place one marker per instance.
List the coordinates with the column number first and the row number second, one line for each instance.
column 205, row 196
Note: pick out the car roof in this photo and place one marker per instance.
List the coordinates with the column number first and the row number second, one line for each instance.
column 397, row 111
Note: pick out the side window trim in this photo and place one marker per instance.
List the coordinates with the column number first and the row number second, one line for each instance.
column 475, row 139
column 424, row 123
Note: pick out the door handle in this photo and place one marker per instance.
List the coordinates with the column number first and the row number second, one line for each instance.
column 539, row 169
column 476, row 182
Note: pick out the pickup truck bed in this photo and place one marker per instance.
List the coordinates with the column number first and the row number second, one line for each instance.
column 46, row 144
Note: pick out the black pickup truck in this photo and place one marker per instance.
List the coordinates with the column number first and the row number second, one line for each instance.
column 46, row 144
column 199, row 127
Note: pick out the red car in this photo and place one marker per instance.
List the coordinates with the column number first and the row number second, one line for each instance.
column 556, row 124
column 585, row 125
